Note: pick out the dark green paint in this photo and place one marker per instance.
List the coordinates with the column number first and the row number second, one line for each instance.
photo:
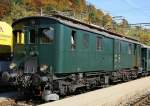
column 59, row 56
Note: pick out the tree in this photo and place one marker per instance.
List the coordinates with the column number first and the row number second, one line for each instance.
column 99, row 17
column 4, row 8
column 107, row 22
column 91, row 13
column 17, row 11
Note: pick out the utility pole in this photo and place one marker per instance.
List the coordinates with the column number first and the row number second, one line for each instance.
column 114, row 21
column 118, row 17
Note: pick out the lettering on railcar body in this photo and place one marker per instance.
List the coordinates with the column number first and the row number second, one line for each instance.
column 1, row 29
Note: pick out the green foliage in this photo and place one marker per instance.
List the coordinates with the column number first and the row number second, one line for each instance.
column 16, row 1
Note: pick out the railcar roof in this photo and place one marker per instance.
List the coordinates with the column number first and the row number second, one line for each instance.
column 84, row 26
column 145, row 46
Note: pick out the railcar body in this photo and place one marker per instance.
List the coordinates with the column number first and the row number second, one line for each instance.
column 60, row 56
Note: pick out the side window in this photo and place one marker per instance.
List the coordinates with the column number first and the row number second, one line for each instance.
column 46, row 35
column 129, row 49
column 99, row 43
column 135, row 49
column 149, row 54
column 73, row 40
column 86, row 40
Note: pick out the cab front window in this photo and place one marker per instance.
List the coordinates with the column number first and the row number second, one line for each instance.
column 32, row 36
column 18, row 37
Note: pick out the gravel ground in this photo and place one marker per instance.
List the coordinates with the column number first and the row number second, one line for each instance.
column 117, row 95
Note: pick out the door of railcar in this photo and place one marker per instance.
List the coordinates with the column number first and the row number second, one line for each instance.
column 117, row 54
column 135, row 54
column 144, row 58
column 46, row 45
column 30, row 46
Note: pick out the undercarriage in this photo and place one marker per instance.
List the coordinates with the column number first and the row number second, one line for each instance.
column 50, row 87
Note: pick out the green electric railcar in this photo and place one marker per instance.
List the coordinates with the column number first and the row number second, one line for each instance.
column 61, row 55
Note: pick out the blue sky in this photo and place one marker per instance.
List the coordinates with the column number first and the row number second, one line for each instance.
column 135, row 11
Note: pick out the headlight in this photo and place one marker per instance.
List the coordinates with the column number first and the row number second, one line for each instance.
column 32, row 53
column 12, row 65
column 43, row 68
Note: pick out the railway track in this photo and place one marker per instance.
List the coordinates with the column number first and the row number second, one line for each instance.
column 12, row 99
column 8, row 99
column 142, row 101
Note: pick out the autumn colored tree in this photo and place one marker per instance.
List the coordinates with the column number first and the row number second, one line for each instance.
column 4, row 8
column 107, row 22
column 80, row 9
column 17, row 11
column 99, row 17
column 91, row 13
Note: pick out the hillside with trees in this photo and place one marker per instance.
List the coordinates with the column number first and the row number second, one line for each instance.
column 79, row 9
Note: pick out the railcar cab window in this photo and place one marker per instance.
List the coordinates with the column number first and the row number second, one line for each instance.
column 135, row 48
column 18, row 37
column 46, row 35
column 99, row 43
column 32, row 36
column 73, row 40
